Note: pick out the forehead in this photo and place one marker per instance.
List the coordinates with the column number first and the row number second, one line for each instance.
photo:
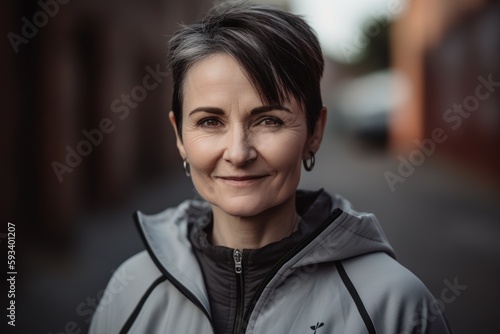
column 216, row 76
column 221, row 71
column 213, row 67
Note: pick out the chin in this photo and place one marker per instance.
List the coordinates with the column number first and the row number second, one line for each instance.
column 241, row 207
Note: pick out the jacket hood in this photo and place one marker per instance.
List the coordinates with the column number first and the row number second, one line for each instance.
column 350, row 234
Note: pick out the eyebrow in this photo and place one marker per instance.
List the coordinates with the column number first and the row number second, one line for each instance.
column 259, row 110
column 254, row 111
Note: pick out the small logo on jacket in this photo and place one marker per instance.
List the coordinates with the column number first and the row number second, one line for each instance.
column 318, row 325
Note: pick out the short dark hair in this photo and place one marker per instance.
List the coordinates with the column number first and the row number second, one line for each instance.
column 279, row 51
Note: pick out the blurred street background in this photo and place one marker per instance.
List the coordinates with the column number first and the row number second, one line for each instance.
column 413, row 93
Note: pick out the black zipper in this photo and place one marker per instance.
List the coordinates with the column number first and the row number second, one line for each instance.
column 189, row 295
column 274, row 270
column 240, row 289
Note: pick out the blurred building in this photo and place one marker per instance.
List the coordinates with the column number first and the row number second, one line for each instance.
column 87, row 99
column 447, row 49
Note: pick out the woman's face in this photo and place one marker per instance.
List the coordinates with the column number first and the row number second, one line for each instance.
column 245, row 155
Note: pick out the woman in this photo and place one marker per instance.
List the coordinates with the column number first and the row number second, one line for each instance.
column 258, row 255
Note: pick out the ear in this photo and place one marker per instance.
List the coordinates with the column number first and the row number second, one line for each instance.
column 180, row 145
column 314, row 140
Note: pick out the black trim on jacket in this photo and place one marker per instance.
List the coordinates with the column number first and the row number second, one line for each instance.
column 135, row 313
column 189, row 295
column 355, row 296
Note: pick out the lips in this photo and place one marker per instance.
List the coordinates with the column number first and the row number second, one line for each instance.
column 241, row 180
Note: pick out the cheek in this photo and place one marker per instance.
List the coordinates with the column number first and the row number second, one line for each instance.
column 202, row 150
column 284, row 152
column 202, row 159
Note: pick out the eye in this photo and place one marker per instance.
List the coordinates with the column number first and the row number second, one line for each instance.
column 271, row 121
column 209, row 122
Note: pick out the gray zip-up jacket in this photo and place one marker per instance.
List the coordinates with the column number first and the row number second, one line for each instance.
column 341, row 279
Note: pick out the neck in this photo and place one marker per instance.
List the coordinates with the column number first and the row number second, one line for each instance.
column 257, row 231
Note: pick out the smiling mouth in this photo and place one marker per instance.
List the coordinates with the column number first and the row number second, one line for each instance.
column 242, row 180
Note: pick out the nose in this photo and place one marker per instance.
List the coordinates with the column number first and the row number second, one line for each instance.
column 239, row 150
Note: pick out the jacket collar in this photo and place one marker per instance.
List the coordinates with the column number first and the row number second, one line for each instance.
column 166, row 237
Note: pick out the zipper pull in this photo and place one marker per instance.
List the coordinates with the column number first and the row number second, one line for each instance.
column 237, row 256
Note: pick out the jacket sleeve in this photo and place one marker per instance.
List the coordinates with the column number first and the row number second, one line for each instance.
column 423, row 314
column 123, row 293
column 396, row 300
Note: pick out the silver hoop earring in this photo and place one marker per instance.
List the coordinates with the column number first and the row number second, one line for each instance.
column 187, row 168
column 309, row 163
